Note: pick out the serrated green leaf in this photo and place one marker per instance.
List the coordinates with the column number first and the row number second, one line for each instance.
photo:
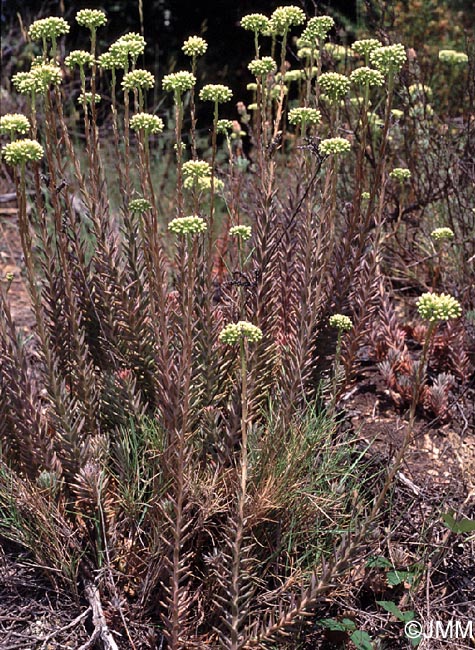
column 362, row 640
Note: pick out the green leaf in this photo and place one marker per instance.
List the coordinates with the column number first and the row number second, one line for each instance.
column 379, row 562
column 362, row 640
column 463, row 525
column 395, row 578
column 392, row 608
column 337, row 626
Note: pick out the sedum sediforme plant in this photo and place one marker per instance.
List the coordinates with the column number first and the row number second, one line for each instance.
column 182, row 333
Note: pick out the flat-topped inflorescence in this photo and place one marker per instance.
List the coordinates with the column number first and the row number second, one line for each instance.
column 241, row 232
column 334, row 85
column 79, row 58
column 136, row 79
column 216, row 93
column 235, row 332
column 192, row 225
column 304, row 115
column 452, row 57
column 257, row 23
column 334, row 146
column 400, row 174
column 442, row 234
column 149, row 124
column 284, row 18
column 195, row 46
column 388, row 59
column 91, row 18
column 341, row 322
column 13, row 123
column 179, row 82
column 438, row 307
column 261, row 67
column 22, row 151
column 48, row 29
column 367, row 76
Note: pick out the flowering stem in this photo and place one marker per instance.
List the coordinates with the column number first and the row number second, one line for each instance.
column 178, row 126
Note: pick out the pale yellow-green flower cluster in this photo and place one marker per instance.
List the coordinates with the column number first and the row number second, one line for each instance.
column 235, row 332
column 150, row 124
column 389, row 58
column 196, row 169
column 135, row 79
column 38, row 79
column 139, row 206
column 284, row 18
column 334, row 85
column 438, row 307
column 224, row 126
column 304, row 115
column 22, row 151
column 48, row 29
column 334, row 146
column 367, row 76
column 13, row 123
column 81, row 58
column 341, row 322
column 216, row 93
column 365, row 46
column 257, row 23
column 241, row 232
column 337, row 52
column 317, row 29
column 264, row 66
column 452, row 57
column 129, row 45
column 442, row 234
column 400, row 174
column 179, row 82
column 187, row 225
column 91, row 18
column 195, row 46
column 87, row 98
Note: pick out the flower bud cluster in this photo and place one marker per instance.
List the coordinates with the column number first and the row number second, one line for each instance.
column 195, row 46
column 367, row 76
column 365, row 46
column 196, row 169
column 235, row 332
column 242, row 232
column 129, row 45
column 139, row 206
column 38, row 79
column 12, row 123
column 48, row 29
column 179, row 82
column 400, row 174
column 452, row 57
column 341, row 322
column 388, row 59
column 138, row 79
column 224, row 126
column 87, row 98
column 216, row 93
column 438, row 307
column 441, row 234
column 337, row 52
column 22, row 151
column 264, row 66
column 284, row 18
column 317, row 29
column 304, row 115
column 334, row 85
column 187, row 225
column 257, row 23
column 81, row 58
column 334, row 146
column 150, row 124
column 91, row 18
